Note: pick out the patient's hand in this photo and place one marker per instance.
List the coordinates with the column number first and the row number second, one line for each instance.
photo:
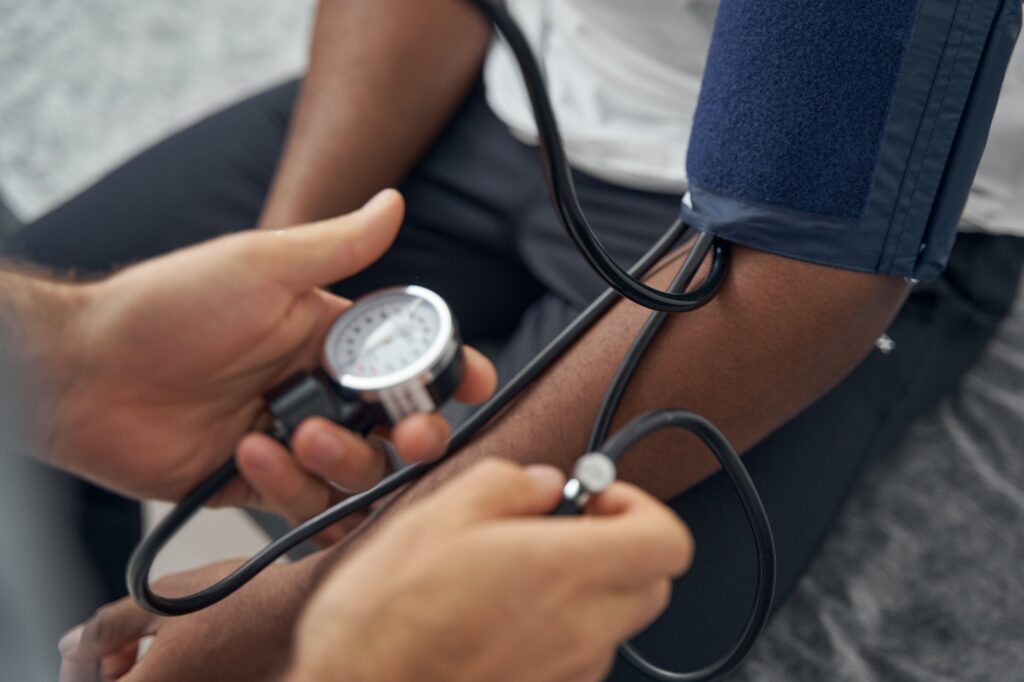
column 246, row 637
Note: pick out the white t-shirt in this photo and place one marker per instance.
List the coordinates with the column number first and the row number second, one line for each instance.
column 624, row 76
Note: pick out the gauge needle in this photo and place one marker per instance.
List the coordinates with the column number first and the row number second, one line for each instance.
column 407, row 325
column 381, row 336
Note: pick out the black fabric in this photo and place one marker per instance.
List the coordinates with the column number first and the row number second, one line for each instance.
column 9, row 222
column 480, row 231
column 971, row 138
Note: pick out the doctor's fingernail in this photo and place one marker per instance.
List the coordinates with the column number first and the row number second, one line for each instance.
column 547, row 474
column 326, row 451
column 380, row 199
column 438, row 437
column 258, row 458
column 70, row 641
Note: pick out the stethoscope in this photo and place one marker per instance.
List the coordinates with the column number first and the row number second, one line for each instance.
column 397, row 352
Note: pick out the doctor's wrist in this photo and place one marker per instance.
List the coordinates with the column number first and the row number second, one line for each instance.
column 41, row 325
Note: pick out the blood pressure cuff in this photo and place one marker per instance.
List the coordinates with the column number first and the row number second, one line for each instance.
column 847, row 132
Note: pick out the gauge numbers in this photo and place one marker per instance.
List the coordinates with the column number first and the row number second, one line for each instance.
column 383, row 335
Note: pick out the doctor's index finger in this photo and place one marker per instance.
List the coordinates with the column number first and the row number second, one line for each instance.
column 627, row 538
column 480, row 378
column 491, row 489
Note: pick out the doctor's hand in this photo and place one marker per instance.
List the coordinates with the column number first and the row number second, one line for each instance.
column 166, row 362
column 473, row 583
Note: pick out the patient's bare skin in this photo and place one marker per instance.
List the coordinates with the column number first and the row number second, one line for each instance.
column 384, row 78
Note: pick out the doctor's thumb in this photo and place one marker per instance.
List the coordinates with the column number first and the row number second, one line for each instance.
column 496, row 488
column 322, row 253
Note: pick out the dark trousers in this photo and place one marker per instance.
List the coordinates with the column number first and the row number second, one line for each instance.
column 480, row 231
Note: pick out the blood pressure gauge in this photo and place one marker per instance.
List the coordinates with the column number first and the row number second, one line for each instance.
column 397, row 349
column 395, row 352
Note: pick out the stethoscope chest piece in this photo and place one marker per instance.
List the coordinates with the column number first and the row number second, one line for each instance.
column 593, row 474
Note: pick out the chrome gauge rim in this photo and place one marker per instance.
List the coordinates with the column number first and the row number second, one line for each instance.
column 440, row 352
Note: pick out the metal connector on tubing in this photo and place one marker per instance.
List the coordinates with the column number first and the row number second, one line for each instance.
column 593, row 474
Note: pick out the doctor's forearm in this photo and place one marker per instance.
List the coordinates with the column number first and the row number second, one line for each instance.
column 384, row 77
column 38, row 333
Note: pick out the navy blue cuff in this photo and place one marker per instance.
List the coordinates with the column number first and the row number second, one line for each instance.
column 813, row 238
column 847, row 133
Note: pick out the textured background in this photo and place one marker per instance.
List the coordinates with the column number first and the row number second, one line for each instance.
column 84, row 83
column 923, row 579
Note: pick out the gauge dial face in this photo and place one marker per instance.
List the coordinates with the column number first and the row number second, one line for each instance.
column 387, row 338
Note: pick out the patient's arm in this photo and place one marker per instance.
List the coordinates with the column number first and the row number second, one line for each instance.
column 778, row 335
column 384, row 77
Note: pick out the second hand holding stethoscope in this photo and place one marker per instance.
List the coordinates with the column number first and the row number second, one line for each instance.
column 397, row 352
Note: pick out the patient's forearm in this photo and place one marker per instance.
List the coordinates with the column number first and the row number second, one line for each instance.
column 384, row 77
column 778, row 335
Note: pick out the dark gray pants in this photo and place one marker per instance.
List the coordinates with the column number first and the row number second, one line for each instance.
column 480, row 231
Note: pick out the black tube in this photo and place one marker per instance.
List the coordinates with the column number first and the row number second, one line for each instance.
column 619, row 445
column 631, row 360
column 558, row 172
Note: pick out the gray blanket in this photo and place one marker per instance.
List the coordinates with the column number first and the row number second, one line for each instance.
column 923, row 580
